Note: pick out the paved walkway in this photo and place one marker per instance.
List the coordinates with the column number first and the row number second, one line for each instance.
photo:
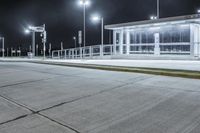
column 37, row 98
column 165, row 64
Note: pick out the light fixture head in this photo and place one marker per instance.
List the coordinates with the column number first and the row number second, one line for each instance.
column 153, row 17
column 84, row 2
column 30, row 27
column 95, row 18
column 27, row 31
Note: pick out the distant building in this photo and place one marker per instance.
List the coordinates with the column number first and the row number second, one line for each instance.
column 173, row 36
column 165, row 38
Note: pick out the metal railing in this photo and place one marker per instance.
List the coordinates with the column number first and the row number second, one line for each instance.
column 183, row 48
column 89, row 51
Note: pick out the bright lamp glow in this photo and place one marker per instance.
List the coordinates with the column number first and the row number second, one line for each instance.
column 198, row 11
column 84, row 2
column 95, row 18
column 153, row 17
column 27, row 31
column 30, row 27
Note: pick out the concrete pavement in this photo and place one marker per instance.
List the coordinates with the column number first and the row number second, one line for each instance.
column 36, row 98
column 190, row 65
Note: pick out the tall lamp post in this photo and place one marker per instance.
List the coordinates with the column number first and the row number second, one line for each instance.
column 75, row 41
column 42, row 30
column 37, row 47
column 158, row 9
column 27, row 31
column 84, row 3
column 100, row 19
column 3, row 49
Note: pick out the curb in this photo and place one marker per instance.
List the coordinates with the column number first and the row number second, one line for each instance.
column 144, row 70
column 153, row 71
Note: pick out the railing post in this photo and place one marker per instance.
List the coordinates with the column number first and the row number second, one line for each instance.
column 58, row 53
column 52, row 54
column 81, row 53
column 90, row 51
column 75, row 53
column 65, row 54
column 101, row 50
column 69, row 54
column 72, row 53
column 111, row 49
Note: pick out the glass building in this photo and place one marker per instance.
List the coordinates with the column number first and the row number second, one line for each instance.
column 174, row 36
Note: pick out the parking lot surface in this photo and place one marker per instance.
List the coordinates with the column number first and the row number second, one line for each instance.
column 36, row 98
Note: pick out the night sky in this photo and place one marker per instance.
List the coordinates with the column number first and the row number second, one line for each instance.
column 64, row 18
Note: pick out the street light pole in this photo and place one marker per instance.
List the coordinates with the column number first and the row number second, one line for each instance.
column 37, row 50
column 75, row 42
column 3, row 48
column 84, row 3
column 7, row 52
column 33, row 43
column 84, row 33
column 101, row 19
column 49, row 49
column 158, row 9
column 43, row 32
column 102, row 29
column 102, row 36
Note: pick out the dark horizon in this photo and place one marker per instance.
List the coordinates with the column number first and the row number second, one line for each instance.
column 64, row 18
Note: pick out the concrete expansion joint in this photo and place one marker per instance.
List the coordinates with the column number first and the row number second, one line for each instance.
column 15, row 119
column 57, row 105
column 59, row 123
column 25, row 82
column 37, row 113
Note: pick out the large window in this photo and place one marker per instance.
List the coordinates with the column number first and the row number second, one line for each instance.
column 135, row 37
column 168, row 34
column 175, row 34
column 142, row 49
column 117, row 38
column 175, row 49
column 124, row 38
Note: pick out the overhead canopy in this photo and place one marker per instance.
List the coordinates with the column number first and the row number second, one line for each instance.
column 188, row 19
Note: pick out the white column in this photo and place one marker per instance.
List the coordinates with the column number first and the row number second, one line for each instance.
column 101, row 50
column 114, row 41
column 157, row 44
column 194, row 40
column 198, row 43
column 128, row 42
column 121, row 41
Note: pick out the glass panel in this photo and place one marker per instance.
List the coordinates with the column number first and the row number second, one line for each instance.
column 132, row 38
column 124, row 38
column 117, row 38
